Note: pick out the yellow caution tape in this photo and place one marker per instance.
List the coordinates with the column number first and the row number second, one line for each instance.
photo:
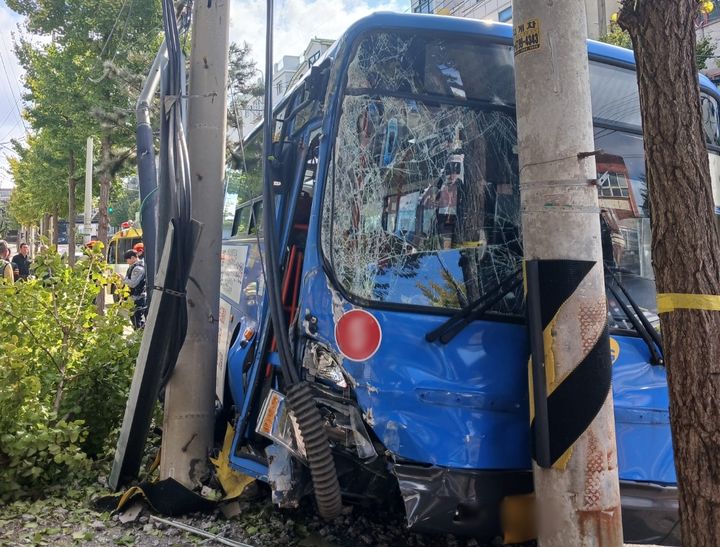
column 668, row 302
column 233, row 482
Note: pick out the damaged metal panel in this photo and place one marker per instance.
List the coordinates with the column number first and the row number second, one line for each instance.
column 642, row 423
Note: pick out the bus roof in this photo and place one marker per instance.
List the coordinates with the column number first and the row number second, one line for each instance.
column 127, row 232
column 383, row 20
column 491, row 29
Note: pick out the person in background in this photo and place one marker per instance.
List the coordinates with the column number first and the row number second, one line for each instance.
column 6, row 270
column 93, row 240
column 135, row 281
column 139, row 248
column 21, row 262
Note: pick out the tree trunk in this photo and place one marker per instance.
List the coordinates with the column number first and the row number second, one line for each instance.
column 44, row 227
column 685, row 249
column 71, row 209
column 104, row 219
column 105, row 181
column 55, row 226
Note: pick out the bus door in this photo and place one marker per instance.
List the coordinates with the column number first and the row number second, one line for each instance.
column 240, row 288
column 251, row 357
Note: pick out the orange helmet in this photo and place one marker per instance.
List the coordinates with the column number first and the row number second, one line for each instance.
column 139, row 248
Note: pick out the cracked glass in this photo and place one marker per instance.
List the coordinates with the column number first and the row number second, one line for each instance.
column 422, row 205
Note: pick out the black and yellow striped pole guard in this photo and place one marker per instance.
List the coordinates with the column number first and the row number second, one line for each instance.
column 561, row 409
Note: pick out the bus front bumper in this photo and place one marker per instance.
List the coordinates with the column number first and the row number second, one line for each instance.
column 650, row 513
column 467, row 502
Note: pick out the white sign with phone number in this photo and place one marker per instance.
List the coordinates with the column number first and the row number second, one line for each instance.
column 232, row 266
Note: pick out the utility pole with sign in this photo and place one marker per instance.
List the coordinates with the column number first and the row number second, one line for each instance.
column 575, row 459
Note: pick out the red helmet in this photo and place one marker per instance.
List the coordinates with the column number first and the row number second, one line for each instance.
column 139, row 248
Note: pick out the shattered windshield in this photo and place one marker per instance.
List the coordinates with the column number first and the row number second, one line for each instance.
column 422, row 201
column 422, row 205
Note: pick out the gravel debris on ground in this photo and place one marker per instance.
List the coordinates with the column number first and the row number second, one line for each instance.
column 62, row 522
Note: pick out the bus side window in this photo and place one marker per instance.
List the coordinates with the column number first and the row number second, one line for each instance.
column 242, row 221
column 711, row 129
column 256, row 225
column 123, row 247
column 111, row 254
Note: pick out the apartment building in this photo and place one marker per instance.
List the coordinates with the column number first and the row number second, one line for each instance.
column 314, row 50
column 598, row 15
column 283, row 72
column 598, row 11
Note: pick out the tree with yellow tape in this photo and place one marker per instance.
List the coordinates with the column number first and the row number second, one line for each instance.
column 685, row 250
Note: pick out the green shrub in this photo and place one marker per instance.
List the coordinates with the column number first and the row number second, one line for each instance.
column 65, row 372
column 40, row 452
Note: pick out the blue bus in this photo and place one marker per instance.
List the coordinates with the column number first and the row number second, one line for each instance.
column 397, row 205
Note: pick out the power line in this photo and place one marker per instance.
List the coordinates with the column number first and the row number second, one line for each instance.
column 7, row 116
column 107, row 40
column 17, row 122
column 124, row 31
column 12, row 67
column 12, row 92
column 15, row 79
column 112, row 30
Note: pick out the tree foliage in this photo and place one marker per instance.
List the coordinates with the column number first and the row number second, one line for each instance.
column 125, row 204
column 704, row 51
column 39, row 173
column 704, row 47
column 84, row 81
column 244, row 83
column 617, row 37
column 64, row 374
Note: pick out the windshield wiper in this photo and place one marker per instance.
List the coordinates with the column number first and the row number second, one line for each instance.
column 475, row 310
column 640, row 323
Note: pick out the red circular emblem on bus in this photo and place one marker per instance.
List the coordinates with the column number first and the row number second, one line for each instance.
column 358, row 335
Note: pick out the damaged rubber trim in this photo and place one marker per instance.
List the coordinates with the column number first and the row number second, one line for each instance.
column 464, row 502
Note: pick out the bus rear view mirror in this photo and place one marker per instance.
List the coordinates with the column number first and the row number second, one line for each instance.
column 282, row 166
column 317, row 81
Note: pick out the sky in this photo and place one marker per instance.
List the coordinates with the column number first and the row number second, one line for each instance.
column 296, row 22
column 11, row 125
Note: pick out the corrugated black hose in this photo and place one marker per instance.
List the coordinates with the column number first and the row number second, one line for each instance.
column 298, row 393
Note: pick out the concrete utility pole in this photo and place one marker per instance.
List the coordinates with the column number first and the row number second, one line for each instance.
column 575, row 467
column 190, row 393
column 87, row 213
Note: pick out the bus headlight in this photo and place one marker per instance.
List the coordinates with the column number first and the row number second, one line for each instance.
column 321, row 363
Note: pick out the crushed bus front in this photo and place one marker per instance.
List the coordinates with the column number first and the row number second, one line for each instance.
column 398, row 207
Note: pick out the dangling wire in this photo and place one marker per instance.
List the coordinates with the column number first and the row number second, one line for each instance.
column 272, row 252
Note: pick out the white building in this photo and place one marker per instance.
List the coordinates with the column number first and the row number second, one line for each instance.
column 314, row 50
column 283, row 72
column 598, row 11
column 251, row 109
column 250, row 112
column 5, row 195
